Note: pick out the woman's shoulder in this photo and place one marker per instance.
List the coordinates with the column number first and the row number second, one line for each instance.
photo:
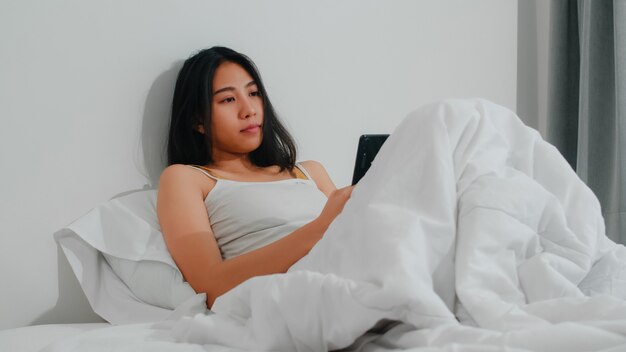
column 320, row 176
column 305, row 163
column 177, row 171
column 183, row 176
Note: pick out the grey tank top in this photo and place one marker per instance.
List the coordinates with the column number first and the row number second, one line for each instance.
column 248, row 215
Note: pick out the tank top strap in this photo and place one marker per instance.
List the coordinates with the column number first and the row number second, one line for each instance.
column 301, row 168
column 203, row 170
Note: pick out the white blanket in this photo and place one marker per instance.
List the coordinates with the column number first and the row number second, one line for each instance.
column 469, row 231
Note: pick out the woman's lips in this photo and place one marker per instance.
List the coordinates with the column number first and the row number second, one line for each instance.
column 254, row 129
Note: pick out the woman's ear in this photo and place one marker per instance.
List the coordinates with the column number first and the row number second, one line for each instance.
column 200, row 128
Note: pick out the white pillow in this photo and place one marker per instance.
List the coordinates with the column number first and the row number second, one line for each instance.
column 153, row 282
column 119, row 256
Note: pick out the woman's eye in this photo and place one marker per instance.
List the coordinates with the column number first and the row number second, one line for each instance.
column 228, row 99
column 256, row 93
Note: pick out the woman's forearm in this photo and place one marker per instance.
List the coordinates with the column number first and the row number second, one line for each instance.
column 219, row 278
column 273, row 258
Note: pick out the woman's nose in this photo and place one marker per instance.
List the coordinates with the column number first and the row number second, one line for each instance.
column 247, row 108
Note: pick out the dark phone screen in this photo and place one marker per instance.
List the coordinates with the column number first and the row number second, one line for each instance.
column 369, row 145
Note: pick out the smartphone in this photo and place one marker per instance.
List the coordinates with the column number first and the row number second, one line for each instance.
column 369, row 145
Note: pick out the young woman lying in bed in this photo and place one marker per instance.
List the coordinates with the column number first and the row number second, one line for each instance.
column 233, row 202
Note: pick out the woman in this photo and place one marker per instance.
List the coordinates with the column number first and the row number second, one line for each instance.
column 233, row 203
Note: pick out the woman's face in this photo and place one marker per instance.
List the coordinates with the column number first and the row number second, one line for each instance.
column 236, row 104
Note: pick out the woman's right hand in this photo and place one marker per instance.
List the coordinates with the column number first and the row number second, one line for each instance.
column 334, row 205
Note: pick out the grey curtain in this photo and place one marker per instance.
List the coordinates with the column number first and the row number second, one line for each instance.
column 587, row 99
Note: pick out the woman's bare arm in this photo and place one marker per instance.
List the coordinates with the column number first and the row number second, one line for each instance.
column 190, row 240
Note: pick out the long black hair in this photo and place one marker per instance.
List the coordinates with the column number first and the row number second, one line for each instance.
column 191, row 107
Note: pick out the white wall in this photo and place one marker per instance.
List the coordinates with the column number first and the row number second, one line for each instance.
column 85, row 88
column 532, row 62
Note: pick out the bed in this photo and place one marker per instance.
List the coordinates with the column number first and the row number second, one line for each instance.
column 36, row 337
column 479, row 237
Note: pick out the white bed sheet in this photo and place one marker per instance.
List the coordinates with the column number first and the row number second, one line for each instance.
column 139, row 337
column 34, row 338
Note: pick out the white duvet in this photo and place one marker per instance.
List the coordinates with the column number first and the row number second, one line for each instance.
column 468, row 233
